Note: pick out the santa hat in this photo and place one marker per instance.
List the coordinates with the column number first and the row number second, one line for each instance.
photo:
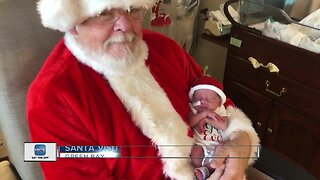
column 206, row 82
column 64, row 15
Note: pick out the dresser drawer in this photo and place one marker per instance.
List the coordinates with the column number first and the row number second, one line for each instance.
column 294, row 63
column 291, row 93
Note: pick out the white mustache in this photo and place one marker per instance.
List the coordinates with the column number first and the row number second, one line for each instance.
column 127, row 37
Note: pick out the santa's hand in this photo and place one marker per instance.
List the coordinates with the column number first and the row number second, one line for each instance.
column 220, row 156
column 235, row 154
column 218, row 172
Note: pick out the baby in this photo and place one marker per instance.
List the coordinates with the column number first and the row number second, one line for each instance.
column 208, row 119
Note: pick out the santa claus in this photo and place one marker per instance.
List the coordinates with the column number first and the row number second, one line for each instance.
column 108, row 82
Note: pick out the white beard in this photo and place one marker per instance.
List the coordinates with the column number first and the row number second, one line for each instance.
column 106, row 64
column 148, row 104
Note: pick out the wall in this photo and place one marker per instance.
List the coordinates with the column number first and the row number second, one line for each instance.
column 301, row 8
column 208, row 53
column 205, row 52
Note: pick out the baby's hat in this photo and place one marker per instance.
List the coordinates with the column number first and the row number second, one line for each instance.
column 207, row 82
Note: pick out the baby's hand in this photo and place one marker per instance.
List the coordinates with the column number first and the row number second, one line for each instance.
column 194, row 119
column 217, row 121
column 200, row 126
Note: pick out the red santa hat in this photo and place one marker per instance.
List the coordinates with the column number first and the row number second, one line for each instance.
column 206, row 82
column 64, row 15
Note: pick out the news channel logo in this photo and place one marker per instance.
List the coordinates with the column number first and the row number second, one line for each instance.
column 40, row 151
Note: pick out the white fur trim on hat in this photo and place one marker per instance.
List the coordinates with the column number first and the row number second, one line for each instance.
column 63, row 15
column 210, row 87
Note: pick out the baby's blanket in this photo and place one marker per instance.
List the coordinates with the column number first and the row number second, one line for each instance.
column 307, row 37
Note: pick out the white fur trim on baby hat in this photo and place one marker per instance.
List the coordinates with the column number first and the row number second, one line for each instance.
column 209, row 87
column 63, row 15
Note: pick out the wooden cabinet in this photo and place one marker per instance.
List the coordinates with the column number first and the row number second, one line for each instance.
column 284, row 106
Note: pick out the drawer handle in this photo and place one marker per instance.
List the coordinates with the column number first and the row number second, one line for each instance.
column 269, row 130
column 256, row 64
column 281, row 93
column 259, row 124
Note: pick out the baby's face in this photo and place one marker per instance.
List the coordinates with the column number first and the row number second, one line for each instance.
column 208, row 99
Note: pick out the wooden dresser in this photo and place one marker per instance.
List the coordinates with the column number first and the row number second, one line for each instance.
column 284, row 106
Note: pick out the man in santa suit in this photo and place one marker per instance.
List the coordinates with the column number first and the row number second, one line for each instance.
column 108, row 82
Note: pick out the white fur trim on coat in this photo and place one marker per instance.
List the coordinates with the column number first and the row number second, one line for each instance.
column 63, row 15
column 153, row 112
column 149, row 106
column 238, row 121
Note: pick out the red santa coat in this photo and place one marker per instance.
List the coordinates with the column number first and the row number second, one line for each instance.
column 71, row 104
